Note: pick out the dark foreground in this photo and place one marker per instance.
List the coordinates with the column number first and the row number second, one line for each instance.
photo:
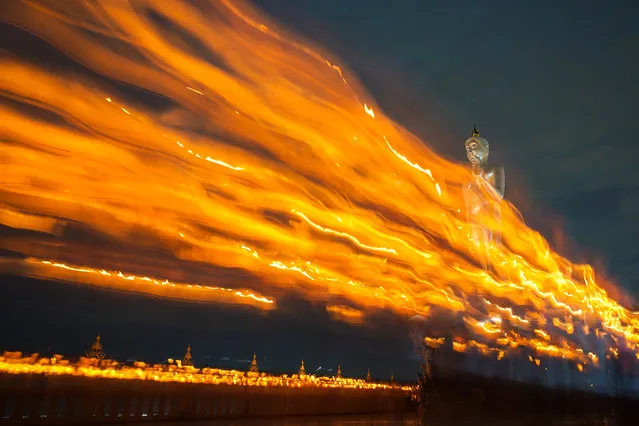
column 350, row 420
column 38, row 399
column 388, row 420
column 476, row 401
column 479, row 401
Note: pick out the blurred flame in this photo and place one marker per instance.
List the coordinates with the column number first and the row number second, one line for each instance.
column 346, row 313
column 166, row 288
column 434, row 342
column 15, row 363
column 369, row 110
column 255, row 155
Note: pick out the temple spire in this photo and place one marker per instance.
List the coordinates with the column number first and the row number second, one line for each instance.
column 392, row 378
column 96, row 351
column 475, row 132
column 188, row 359
column 302, row 370
column 339, row 371
column 254, row 368
column 368, row 375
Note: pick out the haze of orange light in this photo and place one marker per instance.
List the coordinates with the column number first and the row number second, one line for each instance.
column 265, row 156
column 15, row 363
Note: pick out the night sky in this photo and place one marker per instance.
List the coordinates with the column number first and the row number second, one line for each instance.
column 553, row 87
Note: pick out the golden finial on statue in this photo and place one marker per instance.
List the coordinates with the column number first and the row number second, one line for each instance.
column 475, row 132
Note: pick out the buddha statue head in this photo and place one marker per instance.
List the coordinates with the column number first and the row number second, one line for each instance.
column 477, row 149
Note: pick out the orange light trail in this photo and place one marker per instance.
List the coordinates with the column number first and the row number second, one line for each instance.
column 15, row 363
column 140, row 284
column 346, row 314
column 249, row 156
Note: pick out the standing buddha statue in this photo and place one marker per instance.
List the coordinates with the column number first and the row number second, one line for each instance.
column 482, row 196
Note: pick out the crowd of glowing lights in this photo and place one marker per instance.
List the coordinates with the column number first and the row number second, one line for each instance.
column 15, row 363
column 257, row 153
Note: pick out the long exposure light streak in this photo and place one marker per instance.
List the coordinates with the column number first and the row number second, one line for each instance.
column 141, row 284
column 16, row 363
column 206, row 141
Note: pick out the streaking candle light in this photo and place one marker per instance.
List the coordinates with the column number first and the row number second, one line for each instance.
column 194, row 158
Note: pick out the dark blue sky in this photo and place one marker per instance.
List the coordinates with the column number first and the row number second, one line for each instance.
column 552, row 85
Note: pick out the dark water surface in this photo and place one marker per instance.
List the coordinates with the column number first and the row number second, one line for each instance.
column 385, row 420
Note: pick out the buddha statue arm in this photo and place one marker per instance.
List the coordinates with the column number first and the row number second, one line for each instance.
column 500, row 181
column 497, row 187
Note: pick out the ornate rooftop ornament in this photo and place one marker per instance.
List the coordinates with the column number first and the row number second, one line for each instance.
column 254, row 368
column 188, row 359
column 96, row 351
